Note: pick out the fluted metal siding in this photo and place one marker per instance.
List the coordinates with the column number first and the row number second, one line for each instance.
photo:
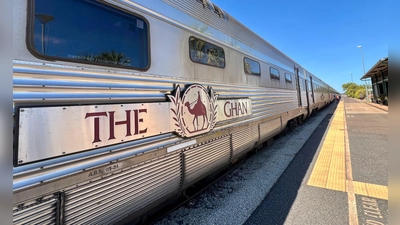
column 201, row 160
column 37, row 213
column 304, row 99
column 105, row 87
column 274, row 102
column 67, row 85
column 95, row 202
column 244, row 140
column 273, row 126
column 70, row 85
column 112, row 198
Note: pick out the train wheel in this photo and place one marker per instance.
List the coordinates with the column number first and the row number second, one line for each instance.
column 299, row 120
column 291, row 124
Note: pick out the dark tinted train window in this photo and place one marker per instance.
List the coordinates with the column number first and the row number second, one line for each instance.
column 288, row 78
column 90, row 32
column 206, row 53
column 251, row 67
column 274, row 73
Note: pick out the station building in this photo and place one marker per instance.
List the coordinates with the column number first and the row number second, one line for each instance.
column 379, row 75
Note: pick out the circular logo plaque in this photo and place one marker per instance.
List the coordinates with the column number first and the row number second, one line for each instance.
column 195, row 112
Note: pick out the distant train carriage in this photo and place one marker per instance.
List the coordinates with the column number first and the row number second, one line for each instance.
column 122, row 105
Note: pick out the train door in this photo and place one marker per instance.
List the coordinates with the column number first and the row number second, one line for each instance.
column 296, row 72
column 312, row 100
column 308, row 96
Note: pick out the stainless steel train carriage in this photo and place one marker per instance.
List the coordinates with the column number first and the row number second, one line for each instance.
column 121, row 105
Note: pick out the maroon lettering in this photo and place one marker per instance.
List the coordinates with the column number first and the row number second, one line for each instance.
column 127, row 122
column 136, row 113
column 244, row 107
column 229, row 110
column 234, row 108
column 141, row 121
column 137, row 121
column 96, row 124
column 112, row 123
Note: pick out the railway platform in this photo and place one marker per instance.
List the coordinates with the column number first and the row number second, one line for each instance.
column 340, row 176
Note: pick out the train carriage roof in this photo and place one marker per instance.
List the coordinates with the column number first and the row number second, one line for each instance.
column 223, row 21
column 212, row 15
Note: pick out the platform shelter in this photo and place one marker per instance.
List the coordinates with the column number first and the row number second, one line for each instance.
column 379, row 75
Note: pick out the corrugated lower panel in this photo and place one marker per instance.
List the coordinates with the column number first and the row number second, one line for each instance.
column 201, row 160
column 114, row 197
column 36, row 212
column 304, row 98
column 270, row 127
column 244, row 139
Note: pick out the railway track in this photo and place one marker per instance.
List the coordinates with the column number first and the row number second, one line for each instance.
column 189, row 197
column 196, row 190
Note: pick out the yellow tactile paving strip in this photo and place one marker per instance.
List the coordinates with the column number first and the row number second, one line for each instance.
column 330, row 168
column 371, row 190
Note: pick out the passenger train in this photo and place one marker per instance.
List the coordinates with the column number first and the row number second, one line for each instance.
column 121, row 105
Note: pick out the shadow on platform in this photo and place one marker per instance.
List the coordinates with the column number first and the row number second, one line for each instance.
column 275, row 207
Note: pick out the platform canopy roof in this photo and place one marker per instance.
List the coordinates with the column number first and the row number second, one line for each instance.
column 381, row 65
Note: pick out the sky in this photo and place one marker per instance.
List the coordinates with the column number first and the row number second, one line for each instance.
column 322, row 36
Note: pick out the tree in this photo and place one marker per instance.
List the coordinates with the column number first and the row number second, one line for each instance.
column 354, row 90
column 360, row 93
column 111, row 57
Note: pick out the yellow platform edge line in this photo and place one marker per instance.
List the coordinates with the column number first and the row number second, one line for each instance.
column 329, row 171
column 371, row 190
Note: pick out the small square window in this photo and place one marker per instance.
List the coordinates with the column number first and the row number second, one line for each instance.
column 274, row 73
column 206, row 53
column 288, row 78
column 251, row 67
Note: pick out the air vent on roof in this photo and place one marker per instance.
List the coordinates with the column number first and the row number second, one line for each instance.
column 220, row 12
column 207, row 4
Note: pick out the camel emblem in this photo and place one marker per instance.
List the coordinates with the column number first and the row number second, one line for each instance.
column 195, row 112
column 199, row 109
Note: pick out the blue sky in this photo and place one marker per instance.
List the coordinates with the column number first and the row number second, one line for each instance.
column 322, row 36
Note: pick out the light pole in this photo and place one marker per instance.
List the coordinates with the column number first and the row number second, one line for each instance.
column 366, row 88
column 43, row 18
column 351, row 74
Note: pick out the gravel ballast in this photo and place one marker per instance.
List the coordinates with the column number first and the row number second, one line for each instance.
column 232, row 200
